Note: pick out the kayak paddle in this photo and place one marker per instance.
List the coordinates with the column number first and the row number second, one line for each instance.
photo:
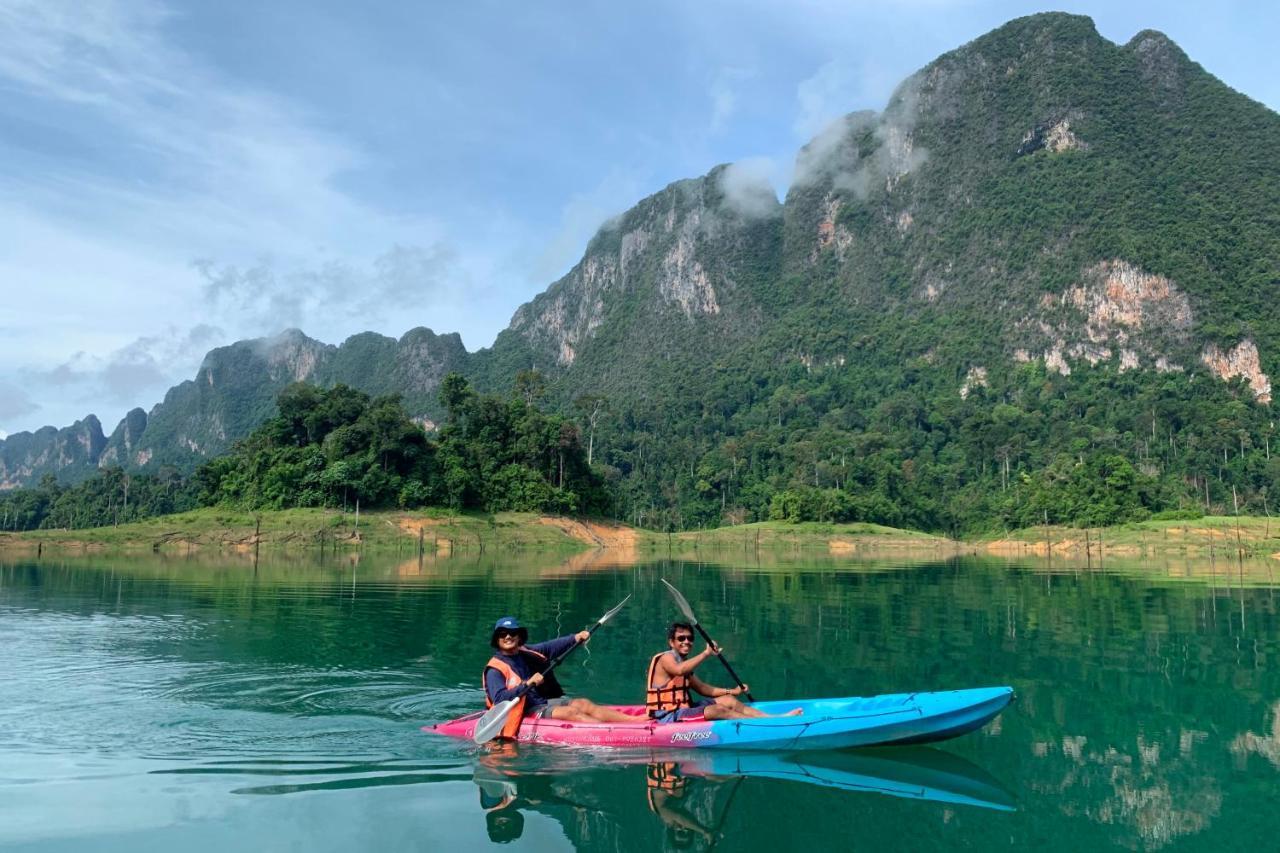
column 688, row 614
column 488, row 726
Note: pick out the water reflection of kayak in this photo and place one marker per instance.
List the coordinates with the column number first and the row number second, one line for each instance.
column 915, row 773
column 898, row 718
column 509, row 781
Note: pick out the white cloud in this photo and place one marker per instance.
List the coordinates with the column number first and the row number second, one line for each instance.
column 220, row 169
column 724, row 95
column 217, row 164
column 829, row 152
column 580, row 218
column 14, row 402
column 822, row 98
column 748, row 187
column 144, row 366
column 403, row 280
column 837, row 88
column 99, row 252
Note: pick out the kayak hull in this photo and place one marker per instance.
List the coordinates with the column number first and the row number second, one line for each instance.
column 897, row 718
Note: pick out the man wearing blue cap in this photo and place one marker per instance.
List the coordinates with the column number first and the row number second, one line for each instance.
column 515, row 671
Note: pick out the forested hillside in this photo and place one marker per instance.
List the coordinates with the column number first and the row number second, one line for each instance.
column 341, row 448
column 1035, row 287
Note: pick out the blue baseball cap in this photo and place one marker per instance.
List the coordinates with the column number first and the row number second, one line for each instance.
column 508, row 623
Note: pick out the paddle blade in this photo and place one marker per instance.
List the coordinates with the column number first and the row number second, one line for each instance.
column 605, row 618
column 490, row 725
column 681, row 603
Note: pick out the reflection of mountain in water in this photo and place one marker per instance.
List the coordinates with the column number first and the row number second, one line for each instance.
column 1155, row 789
column 1268, row 746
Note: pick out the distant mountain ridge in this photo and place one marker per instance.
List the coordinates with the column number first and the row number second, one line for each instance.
column 233, row 391
column 1038, row 197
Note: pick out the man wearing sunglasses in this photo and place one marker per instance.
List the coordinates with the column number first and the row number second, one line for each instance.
column 667, row 689
column 516, row 671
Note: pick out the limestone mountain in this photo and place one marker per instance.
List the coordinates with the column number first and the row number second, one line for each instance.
column 690, row 270
column 234, row 390
column 1040, row 220
column 1039, row 194
column 70, row 453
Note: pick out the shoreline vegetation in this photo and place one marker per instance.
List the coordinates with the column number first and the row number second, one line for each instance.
column 440, row 533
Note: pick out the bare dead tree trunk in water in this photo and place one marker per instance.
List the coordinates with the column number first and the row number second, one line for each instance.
column 1235, row 501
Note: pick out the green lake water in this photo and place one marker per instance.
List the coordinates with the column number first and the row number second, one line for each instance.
column 206, row 705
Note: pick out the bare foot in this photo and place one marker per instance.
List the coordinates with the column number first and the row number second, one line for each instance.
column 794, row 712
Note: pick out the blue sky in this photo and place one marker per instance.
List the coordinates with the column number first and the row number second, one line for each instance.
column 179, row 175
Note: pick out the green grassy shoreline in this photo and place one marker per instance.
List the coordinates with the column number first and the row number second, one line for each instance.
column 1249, row 536
column 438, row 532
column 442, row 533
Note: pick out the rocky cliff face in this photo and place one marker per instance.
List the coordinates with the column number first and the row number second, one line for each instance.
column 1022, row 196
column 234, row 391
column 1117, row 312
column 1240, row 361
column 122, row 446
column 684, row 270
column 236, row 387
column 71, row 453
column 411, row 366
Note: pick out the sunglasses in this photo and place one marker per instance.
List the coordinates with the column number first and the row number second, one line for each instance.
column 503, row 633
column 683, row 638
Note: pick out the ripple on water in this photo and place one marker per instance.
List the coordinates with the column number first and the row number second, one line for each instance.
column 293, row 775
column 118, row 685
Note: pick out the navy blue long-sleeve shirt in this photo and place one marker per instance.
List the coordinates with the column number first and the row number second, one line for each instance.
column 496, row 685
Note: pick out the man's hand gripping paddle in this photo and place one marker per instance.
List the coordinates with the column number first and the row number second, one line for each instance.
column 488, row 726
column 688, row 614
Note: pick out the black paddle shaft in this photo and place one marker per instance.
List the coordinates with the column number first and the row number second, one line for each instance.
column 732, row 674
column 555, row 661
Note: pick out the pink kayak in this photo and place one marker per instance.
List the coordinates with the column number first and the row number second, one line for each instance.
column 896, row 718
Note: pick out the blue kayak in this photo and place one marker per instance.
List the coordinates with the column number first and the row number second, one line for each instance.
column 895, row 718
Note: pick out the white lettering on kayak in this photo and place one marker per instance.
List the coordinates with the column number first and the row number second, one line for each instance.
column 685, row 737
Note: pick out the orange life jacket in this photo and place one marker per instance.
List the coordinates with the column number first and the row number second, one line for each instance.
column 663, row 776
column 669, row 697
column 513, row 679
column 497, row 787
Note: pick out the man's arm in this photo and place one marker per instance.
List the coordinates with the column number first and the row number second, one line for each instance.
column 667, row 663
column 552, row 648
column 712, row 692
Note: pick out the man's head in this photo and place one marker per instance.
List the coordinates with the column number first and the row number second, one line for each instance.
column 680, row 637
column 508, row 635
column 504, row 826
